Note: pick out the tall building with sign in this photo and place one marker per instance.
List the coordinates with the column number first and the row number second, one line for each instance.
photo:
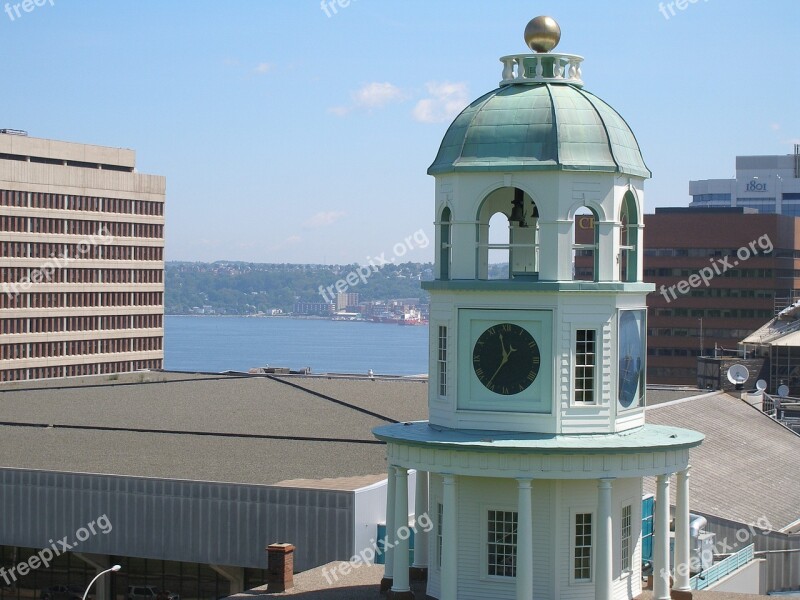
column 531, row 464
column 81, row 260
column 769, row 184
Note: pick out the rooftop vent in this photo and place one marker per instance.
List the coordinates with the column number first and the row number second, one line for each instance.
column 14, row 132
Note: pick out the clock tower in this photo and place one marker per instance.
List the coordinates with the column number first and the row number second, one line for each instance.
column 537, row 351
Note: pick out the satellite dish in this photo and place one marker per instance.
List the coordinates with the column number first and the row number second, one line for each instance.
column 783, row 391
column 761, row 385
column 738, row 374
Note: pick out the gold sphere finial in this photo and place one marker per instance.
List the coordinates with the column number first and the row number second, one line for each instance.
column 542, row 34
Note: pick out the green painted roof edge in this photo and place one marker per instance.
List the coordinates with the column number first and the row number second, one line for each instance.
column 511, row 285
column 521, row 166
column 549, row 445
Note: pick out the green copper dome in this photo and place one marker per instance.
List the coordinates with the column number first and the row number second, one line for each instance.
column 539, row 127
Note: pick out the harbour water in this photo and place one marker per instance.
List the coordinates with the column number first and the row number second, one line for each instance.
column 240, row 343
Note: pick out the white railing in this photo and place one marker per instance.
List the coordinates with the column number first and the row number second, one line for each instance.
column 507, row 246
column 542, row 68
column 510, row 248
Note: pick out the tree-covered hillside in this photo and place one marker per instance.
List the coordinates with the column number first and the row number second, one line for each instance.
column 236, row 288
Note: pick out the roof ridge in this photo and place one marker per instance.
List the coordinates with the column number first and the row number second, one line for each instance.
column 194, row 432
column 555, row 122
column 334, row 400
column 682, row 400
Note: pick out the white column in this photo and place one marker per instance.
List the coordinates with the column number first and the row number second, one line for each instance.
column 449, row 539
column 555, row 244
column 605, row 548
column 401, row 533
column 661, row 540
column 607, row 236
column 421, row 537
column 524, row 540
column 234, row 576
column 390, row 527
column 682, row 557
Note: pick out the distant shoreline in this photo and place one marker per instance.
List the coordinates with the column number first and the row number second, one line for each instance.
column 295, row 317
column 251, row 316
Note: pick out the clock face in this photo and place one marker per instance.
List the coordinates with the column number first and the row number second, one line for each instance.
column 506, row 359
column 631, row 358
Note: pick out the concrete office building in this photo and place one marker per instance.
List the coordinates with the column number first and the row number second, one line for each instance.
column 81, row 260
column 346, row 301
column 769, row 184
column 751, row 268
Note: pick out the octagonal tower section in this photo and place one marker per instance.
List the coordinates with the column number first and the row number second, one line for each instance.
column 538, row 214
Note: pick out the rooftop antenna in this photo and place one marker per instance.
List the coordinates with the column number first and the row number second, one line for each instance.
column 737, row 375
column 797, row 161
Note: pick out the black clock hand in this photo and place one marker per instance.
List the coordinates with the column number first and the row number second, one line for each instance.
column 506, row 355
column 503, row 349
column 502, row 362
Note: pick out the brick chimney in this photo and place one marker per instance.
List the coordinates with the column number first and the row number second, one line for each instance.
column 280, row 567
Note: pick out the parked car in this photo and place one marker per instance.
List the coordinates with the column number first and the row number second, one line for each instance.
column 150, row 592
column 63, row 592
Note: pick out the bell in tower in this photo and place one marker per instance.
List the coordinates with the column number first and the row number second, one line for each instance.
column 536, row 435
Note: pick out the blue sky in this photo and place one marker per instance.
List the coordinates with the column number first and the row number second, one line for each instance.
column 288, row 135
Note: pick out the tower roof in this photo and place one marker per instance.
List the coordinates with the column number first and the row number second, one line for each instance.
column 540, row 118
column 539, row 126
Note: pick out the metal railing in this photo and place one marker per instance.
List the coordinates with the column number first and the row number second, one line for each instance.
column 723, row 568
column 776, row 407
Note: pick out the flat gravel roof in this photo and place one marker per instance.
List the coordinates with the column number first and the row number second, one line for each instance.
column 237, row 429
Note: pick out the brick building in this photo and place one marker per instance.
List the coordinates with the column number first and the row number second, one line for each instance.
column 720, row 274
column 706, row 295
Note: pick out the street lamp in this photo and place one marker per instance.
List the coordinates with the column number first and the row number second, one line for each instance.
column 115, row 568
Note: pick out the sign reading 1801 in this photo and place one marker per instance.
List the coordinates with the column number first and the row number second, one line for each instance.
column 756, row 186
